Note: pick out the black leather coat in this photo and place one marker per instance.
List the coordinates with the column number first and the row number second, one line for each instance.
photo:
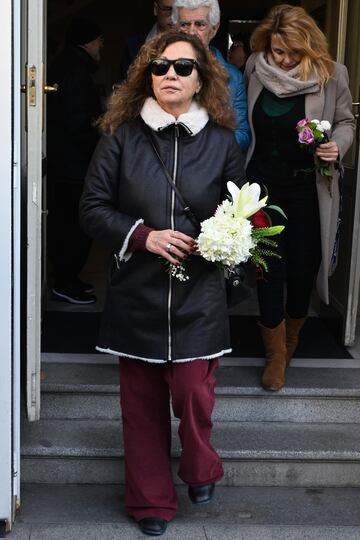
column 147, row 314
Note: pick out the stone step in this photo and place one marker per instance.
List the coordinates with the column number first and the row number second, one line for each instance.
column 86, row 391
column 59, row 512
column 253, row 453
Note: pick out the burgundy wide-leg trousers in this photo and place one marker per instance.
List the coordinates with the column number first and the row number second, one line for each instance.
column 145, row 390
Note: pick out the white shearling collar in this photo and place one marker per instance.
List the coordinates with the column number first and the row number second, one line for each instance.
column 155, row 117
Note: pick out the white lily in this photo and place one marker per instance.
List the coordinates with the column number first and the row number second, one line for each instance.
column 246, row 200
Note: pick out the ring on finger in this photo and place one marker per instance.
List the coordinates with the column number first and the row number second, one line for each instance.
column 168, row 247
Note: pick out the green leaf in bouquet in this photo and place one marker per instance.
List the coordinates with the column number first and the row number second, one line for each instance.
column 325, row 171
column 259, row 261
column 277, row 209
column 269, row 253
column 267, row 241
column 267, row 231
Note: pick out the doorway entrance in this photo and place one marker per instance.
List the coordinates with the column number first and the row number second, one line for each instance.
column 116, row 30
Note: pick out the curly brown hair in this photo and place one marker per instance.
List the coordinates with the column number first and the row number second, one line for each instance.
column 297, row 31
column 127, row 100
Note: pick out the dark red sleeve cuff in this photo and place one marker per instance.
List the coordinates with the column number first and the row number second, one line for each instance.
column 138, row 238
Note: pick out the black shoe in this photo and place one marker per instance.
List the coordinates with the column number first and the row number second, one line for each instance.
column 84, row 287
column 73, row 295
column 153, row 526
column 201, row 494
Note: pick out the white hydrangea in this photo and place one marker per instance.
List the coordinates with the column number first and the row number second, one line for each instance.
column 226, row 239
column 325, row 125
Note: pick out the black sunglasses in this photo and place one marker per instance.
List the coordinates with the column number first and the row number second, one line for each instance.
column 182, row 66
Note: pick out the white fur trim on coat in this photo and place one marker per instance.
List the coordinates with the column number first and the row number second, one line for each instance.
column 155, row 117
column 160, row 361
column 123, row 254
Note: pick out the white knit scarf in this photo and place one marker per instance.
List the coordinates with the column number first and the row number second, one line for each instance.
column 283, row 83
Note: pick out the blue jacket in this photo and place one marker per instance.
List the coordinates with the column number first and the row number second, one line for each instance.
column 239, row 100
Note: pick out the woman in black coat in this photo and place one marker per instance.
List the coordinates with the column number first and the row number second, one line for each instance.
column 168, row 333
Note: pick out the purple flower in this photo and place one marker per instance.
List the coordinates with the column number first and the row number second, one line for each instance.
column 306, row 136
column 302, row 123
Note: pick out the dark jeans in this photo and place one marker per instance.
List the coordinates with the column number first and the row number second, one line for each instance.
column 68, row 246
column 300, row 248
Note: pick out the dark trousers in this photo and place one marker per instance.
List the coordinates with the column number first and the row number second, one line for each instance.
column 300, row 248
column 68, row 246
column 145, row 390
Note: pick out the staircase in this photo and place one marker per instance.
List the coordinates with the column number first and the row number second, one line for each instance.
column 299, row 444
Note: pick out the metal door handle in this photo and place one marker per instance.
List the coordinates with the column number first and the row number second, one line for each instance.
column 47, row 89
column 51, row 89
column 356, row 104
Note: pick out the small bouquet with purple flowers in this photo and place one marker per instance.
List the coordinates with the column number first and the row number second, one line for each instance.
column 311, row 133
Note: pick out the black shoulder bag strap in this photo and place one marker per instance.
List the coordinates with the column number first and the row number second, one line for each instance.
column 186, row 208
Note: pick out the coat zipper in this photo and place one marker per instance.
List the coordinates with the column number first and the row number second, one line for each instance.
column 172, row 224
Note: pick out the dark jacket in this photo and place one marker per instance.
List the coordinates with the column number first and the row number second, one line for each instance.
column 147, row 314
column 71, row 112
column 132, row 47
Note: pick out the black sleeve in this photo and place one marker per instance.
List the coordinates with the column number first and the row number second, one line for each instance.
column 100, row 217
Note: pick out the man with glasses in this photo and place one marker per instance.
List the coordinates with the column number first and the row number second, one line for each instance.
column 202, row 18
column 162, row 12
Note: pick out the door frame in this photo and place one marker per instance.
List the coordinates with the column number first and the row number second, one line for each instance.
column 354, row 277
column 17, row 163
column 6, row 269
column 350, row 309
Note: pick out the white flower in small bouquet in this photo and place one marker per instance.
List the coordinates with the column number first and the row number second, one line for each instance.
column 230, row 237
column 311, row 133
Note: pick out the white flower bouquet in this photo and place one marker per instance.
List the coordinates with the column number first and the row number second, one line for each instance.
column 230, row 237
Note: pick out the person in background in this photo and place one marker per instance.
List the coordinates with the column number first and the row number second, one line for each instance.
column 239, row 51
column 292, row 77
column 162, row 12
column 202, row 18
column 168, row 333
column 71, row 139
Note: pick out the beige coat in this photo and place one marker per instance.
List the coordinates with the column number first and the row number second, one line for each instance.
column 335, row 105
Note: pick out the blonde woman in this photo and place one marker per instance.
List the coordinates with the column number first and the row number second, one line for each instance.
column 290, row 77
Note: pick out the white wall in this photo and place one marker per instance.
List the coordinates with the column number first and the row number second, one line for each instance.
column 5, row 258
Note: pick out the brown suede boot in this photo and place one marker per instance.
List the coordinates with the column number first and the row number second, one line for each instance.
column 274, row 339
column 293, row 327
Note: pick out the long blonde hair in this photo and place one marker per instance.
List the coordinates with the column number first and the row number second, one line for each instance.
column 297, row 31
column 127, row 101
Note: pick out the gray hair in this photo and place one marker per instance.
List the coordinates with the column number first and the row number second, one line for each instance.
column 213, row 5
